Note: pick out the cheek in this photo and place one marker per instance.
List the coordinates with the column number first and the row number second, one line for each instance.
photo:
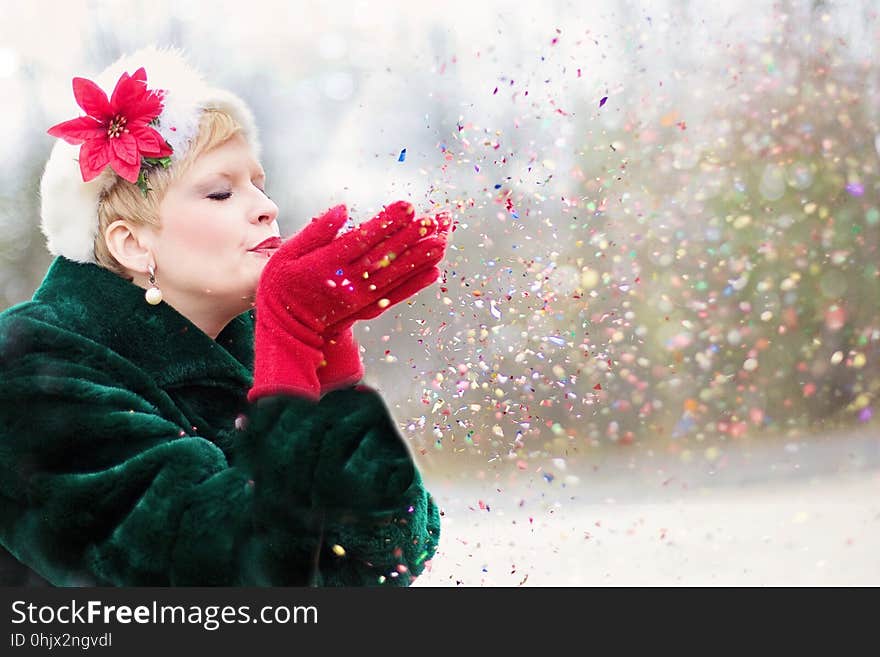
column 204, row 233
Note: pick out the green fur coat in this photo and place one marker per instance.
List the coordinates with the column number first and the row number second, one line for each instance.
column 129, row 455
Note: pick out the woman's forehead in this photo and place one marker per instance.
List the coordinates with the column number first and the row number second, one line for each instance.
column 232, row 157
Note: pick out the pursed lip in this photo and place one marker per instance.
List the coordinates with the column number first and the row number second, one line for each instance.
column 270, row 243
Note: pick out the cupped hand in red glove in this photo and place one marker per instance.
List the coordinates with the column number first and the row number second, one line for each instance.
column 339, row 280
column 286, row 362
column 314, row 279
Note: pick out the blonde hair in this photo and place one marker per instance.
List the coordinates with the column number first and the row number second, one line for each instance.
column 124, row 200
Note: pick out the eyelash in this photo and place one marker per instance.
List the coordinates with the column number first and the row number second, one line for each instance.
column 222, row 196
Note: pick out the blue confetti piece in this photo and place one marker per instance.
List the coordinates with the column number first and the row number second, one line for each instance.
column 402, row 156
column 683, row 427
column 339, row 272
column 548, row 477
column 498, row 186
column 602, row 102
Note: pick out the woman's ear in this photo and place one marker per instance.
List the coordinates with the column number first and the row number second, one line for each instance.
column 130, row 245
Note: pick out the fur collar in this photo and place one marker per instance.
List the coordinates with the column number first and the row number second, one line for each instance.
column 101, row 306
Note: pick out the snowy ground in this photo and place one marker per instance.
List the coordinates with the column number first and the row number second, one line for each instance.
column 790, row 514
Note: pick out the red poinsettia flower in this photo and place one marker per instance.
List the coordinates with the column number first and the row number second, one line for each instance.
column 116, row 131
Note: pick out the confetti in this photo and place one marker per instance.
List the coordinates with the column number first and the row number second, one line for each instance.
column 689, row 269
column 855, row 189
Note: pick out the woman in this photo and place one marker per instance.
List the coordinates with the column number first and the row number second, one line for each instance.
column 178, row 402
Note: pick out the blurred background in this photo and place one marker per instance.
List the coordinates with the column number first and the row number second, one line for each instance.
column 653, row 354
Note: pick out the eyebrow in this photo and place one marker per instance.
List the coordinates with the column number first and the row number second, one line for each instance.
column 226, row 174
column 207, row 180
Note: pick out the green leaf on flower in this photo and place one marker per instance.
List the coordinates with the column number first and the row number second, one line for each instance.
column 164, row 162
column 148, row 163
column 143, row 183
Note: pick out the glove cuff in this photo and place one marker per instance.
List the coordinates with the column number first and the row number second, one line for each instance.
column 342, row 365
column 286, row 358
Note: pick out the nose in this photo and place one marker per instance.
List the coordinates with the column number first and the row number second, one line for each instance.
column 266, row 212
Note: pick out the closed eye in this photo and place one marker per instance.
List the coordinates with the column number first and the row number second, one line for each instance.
column 222, row 196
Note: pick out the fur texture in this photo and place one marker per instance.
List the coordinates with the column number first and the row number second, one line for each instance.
column 121, row 463
column 69, row 206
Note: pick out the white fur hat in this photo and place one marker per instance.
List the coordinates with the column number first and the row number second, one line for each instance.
column 69, row 206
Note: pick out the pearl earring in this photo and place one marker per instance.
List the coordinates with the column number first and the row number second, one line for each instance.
column 154, row 294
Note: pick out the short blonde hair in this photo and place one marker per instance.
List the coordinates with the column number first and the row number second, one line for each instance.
column 124, row 200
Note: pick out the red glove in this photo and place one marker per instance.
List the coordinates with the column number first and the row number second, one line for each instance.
column 282, row 362
column 299, row 296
